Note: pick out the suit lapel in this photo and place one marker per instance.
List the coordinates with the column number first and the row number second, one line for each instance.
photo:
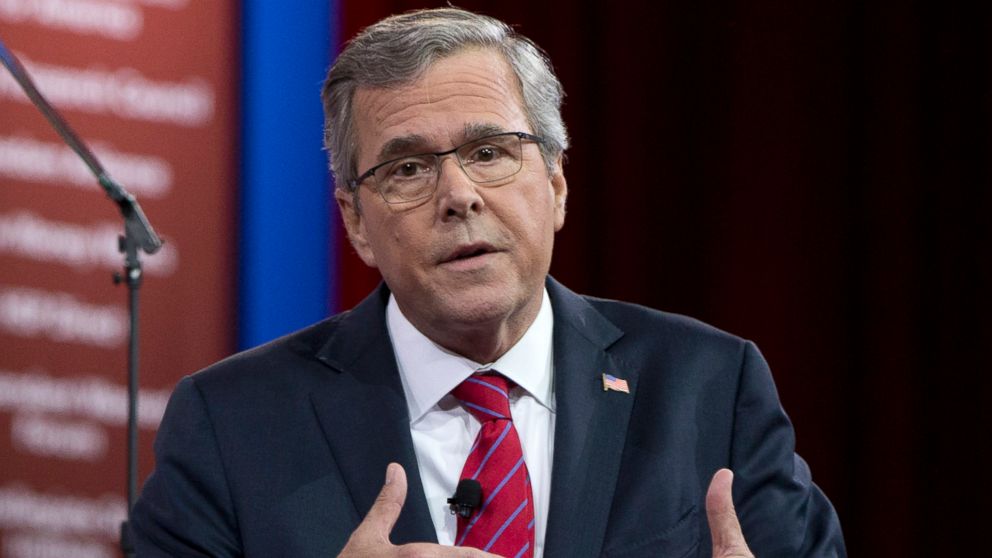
column 590, row 426
column 364, row 416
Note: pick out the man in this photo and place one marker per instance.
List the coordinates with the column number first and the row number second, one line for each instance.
column 585, row 427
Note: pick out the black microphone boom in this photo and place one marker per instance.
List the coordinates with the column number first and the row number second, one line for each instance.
column 138, row 237
column 136, row 224
column 468, row 496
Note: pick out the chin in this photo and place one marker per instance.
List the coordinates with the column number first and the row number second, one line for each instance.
column 485, row 304
column 468, row 309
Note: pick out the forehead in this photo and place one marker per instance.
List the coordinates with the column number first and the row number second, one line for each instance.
column 469, row 90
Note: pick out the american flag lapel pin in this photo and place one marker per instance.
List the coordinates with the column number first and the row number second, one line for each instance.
column 611, row 382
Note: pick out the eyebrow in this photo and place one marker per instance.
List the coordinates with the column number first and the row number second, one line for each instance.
column 476, row 130
column 416, row 143
column 403, row 145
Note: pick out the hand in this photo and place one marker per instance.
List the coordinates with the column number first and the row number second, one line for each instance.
column 371, row 538
column 728, row 540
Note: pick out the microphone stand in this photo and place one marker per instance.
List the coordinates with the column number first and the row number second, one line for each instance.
column 138, row 236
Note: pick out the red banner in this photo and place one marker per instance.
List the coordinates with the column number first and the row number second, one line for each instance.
column 149, row 85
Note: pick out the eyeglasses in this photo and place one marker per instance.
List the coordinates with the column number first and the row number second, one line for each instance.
column 486, row 161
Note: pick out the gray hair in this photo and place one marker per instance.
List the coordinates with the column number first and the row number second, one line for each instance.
column 399, row 49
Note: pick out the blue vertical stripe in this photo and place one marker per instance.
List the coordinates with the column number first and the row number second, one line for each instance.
column 285, row 247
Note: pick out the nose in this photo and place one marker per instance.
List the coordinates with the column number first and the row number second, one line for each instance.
column 457, row 195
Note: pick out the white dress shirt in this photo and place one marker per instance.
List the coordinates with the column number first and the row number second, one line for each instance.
column 443, row 431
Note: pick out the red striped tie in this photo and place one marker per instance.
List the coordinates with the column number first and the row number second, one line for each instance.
column 504, row 524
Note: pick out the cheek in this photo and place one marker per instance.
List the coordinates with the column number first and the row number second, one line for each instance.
column 532, row 220
column 398, row 242
column 407, row 233
column 541, row 207
column 379, row 237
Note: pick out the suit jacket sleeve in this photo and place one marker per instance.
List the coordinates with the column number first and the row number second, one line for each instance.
column 782, row 512
column 185, row 508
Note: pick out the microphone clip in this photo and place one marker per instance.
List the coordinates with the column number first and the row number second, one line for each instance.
column 468, row 496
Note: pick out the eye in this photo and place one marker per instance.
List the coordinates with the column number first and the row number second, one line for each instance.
column 486, row 153
column 410, row 168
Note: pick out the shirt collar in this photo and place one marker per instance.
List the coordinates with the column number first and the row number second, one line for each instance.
column 429, row 372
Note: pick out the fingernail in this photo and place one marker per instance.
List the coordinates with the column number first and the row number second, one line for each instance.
column 390, row 473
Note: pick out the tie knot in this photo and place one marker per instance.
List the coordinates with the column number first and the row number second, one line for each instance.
column 486, row 396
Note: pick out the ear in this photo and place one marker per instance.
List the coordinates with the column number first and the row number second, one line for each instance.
column 354, row 223
column 560, row 189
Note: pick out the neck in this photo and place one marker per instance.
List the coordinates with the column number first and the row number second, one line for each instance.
column 482, row 341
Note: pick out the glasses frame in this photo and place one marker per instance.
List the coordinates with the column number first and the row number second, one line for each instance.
column 356, row 182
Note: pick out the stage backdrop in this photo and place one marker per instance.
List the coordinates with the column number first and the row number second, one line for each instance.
column 817, row 177
column 150, row 85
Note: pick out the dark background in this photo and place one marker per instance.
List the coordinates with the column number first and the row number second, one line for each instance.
column 812, row 176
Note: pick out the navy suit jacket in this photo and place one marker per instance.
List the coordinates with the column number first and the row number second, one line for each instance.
column 281, row 450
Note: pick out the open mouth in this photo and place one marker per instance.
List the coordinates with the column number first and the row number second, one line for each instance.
column 468, row 252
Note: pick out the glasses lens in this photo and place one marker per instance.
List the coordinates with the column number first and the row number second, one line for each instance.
column 491, row 159
column 407, row 179
column 485, row 160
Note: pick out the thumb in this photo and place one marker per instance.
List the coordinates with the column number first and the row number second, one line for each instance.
column 378, row 523
column 725, row 529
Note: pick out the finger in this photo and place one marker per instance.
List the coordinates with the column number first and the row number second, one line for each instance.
column 378, row 523
column 427, row 550
column 725, row 529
